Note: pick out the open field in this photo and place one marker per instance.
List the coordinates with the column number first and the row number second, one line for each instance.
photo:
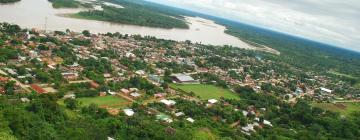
column 341, row 74
column 106, row 101
column 206, row 91
column 357, row 85
column 342, row 108
column 204, row 134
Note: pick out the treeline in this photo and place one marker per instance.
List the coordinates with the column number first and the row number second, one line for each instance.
column 301, row 53
column 133, row 14
column 9, row 1
column 65, row 3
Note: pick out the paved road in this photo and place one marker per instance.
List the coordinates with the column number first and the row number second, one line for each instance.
column 81, row 81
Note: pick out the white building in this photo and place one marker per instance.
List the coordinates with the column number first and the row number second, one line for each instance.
column 212, row 101
column 190, row 120
column 325, row 90
column 129, row 112
column 168, row 102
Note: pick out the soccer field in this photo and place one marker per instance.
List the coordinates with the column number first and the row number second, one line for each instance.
column 206, row 91
column 105, row 101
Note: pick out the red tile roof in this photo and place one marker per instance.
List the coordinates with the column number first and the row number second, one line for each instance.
column 4, row 79
column 94, row 84
column 38, row 89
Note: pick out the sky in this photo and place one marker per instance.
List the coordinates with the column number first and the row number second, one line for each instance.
column 335, row 22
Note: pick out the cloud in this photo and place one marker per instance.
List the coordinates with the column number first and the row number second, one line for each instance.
column 330, row 21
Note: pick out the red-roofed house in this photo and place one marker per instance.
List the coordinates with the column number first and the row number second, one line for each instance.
column 2, row 90
column 38, row 89
column 4, row 79
column 94, row 84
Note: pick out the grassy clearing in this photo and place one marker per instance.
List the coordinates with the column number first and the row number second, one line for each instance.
column 206, row 91
column 204, row 134
column 70, row 113
column 342, row 108
column 106, row 101
column 357, row 85
column 341, row 74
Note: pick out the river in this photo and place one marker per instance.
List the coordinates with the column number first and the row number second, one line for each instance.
column 40, row 14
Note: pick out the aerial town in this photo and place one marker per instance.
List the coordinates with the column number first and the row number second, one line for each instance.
column 165, row 80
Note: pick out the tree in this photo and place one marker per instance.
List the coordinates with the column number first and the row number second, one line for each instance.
column 9, row 87
column 71, row 103
column 86, row 33
column 244, row 90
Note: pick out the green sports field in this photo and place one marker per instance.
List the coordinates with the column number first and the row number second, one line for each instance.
column 206, row 91
column 106, row 101
column 342, row 108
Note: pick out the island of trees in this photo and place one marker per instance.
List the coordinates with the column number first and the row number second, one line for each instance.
column 9, row 1
column 133, row 14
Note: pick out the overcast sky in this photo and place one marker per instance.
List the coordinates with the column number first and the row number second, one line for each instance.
column 335, row 22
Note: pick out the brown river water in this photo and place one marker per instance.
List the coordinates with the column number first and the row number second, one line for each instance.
column 38, row 13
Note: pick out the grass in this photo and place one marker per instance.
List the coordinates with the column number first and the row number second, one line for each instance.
column 106, row 101
column 70, row 113
column 206, row 91
column 357, row 85
column 346, row 110
column 341, row 74
column 204, row 134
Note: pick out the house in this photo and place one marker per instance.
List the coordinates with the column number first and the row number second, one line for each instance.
column 70, row 76
column 183, row 78
column 24, row 100
column 75, row 67
column 325, row 90
column 156, row 79
column 212, row 101
column 133, row 89
column 125, row 91
column 4, row 79
column 33, row 54
column 129, row 112
column 159, row 95
column 190, row 120
column 245, row 113
column 2, row 90
column 164, row 117
column 140, row 72
column 111, row 93
column 168, row 102
column 102, row 94
column 38, row 89
column 266, row 122
column 135, row 95
column 178, row 114
column 107, row 75
column 11, row 71
column 69, row 96
column 93, row 84
column 130, row 55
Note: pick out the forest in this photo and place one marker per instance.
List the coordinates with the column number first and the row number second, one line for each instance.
column 9, row 1
column 134, row 14
column 302, row 53
column 64, row 3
